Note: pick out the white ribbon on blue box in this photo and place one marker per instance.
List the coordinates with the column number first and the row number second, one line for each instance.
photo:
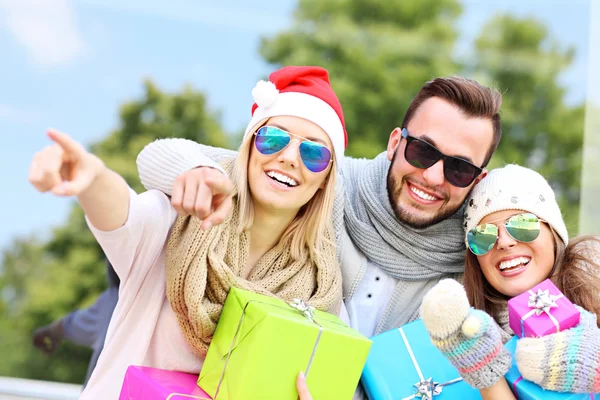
column 404, row 364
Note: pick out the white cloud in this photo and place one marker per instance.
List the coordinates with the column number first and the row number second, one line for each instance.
column 46, row 28
column 15, row 115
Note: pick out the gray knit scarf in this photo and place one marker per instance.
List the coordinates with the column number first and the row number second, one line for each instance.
column 403, row 252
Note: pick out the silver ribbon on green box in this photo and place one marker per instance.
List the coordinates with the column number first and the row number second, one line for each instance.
column 299, row 305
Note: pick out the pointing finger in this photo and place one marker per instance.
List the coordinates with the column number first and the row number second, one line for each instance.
column 222, row 209
column 220, row 184
column 66, row 142
column 202, row 206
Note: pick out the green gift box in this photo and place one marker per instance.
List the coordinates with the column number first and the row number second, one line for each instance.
column 262, row 343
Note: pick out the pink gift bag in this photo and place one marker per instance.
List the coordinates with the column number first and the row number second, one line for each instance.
column 144, row 383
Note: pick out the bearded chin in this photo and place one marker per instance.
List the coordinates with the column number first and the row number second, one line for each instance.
column 415, row 221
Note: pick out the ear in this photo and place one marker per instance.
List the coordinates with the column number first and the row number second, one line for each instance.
column 393, row 142
column 480, row 177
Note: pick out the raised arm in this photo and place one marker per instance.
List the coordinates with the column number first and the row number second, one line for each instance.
column 130, row 228
column 162, row 161
column 67, row 169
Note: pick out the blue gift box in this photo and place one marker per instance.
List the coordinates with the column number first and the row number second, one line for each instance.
column 526, row 390
column 402, row 358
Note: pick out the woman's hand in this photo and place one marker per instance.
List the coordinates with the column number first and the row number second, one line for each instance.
column 67, row 169
column 303, row 392
column 205, row 193
column 567, row 361
column 470, row 339
column 64, row 168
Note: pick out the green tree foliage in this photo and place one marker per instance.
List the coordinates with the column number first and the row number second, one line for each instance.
column 29, row 295
column 378, row 52
column 43, row 281
column 520, row 57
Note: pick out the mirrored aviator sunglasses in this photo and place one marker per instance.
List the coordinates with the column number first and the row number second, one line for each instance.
column 521, row 227
column 420, row 154
column 270, row 140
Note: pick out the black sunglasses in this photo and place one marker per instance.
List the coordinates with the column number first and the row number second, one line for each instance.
column 420, row 154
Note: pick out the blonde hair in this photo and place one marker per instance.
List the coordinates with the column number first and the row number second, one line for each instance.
column 312, row 228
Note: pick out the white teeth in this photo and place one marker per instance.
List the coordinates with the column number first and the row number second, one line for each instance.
column 422, row 194
column 282, row 178
column 514, row 262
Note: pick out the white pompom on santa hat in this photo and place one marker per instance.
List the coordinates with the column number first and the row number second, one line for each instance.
column 303, row 92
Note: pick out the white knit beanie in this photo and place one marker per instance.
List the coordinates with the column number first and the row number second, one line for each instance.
column 514, row 188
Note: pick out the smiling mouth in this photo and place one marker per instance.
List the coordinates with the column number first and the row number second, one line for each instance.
column 280, row 178
column 421, row 194
column 514, row 264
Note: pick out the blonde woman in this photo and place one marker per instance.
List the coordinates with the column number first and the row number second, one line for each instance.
column 273, row 234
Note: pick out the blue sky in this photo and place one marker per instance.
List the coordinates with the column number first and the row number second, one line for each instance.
column 70, row 64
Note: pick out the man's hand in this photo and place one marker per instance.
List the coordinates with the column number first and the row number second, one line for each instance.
column 48, row 338
column 303, row 392
column 205, row 193
column 64, row 168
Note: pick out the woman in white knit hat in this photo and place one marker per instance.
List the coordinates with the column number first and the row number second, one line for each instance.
column 176, row 272
column 516, row 238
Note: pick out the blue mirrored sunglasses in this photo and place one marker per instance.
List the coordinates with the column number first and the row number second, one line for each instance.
column 270, row 140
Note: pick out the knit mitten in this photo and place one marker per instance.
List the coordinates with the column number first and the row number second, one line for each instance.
column 567, row 361
column 469, row 338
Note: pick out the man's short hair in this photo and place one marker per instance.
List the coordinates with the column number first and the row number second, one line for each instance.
column 473, row 99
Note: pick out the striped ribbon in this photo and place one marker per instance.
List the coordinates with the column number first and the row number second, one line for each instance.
column 520, row 378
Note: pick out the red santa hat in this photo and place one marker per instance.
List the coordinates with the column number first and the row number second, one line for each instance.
column 303, row 92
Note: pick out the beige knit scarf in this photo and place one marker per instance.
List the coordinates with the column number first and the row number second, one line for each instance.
column 201, row 267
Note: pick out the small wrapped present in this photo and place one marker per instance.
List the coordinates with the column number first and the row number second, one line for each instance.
column 262, row 343
column 540, row 311
column 403, row 364
column 144, row 383
column 526, row 390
